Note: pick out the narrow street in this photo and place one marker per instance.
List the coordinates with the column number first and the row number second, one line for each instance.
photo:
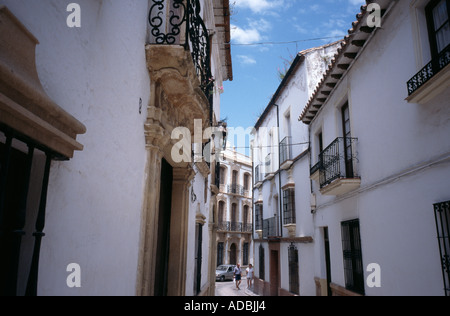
column 228, row 288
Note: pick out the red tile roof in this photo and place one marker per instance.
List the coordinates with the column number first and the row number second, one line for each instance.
column 351, row 47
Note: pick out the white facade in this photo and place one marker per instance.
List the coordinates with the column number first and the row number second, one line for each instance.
column 99, row 202
column 279, row 168
column 402, row 158
column 235, row 210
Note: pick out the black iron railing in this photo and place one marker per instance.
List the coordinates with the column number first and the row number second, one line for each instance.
column 179, row 22
column 285, row 150
column 236, row 189
column 235, row 227
column 270, row 227
column 338, row 161
column 258, row 177
column 429, row 71
column 442, row 215
column 315, row 168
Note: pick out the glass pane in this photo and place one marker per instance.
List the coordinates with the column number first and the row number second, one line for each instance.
column 440, row 14
column 443, row 37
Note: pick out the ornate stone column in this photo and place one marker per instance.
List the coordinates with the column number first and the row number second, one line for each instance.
column 156, row 139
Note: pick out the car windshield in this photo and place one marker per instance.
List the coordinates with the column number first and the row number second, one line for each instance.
column 222, row 268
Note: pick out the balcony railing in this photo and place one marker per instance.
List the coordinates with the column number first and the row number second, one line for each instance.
column 338, row 161
column 178, row 22
column 270, row 227
column 286, row 150
column 429, row 71
column 236, row 189
column 258, row 177
column 235, row 227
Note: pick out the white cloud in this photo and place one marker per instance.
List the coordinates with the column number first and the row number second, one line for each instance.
column 251, row 34
column 259, row 6
column 246, row 60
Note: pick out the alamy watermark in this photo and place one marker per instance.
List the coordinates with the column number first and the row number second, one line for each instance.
column 74, row 18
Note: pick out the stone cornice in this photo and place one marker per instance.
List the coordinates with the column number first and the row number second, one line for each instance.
column 24, row 105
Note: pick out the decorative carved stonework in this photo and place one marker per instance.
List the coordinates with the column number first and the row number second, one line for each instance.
column 178, row 91
column 24, row 105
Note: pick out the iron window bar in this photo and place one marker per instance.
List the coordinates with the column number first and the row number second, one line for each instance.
column 352, row 253
column 294, row 286
column 12, row 221
column 289, row 206
column 429, row 71
column 442, row 216
column 270, row 228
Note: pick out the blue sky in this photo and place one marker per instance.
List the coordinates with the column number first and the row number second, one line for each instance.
column 266, row 21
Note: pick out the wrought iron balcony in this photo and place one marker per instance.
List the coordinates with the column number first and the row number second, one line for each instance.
column 236, row 189
column 235, row 227
column 286, row 150
column 429, row 71
column 338, row 166
column 178, row 22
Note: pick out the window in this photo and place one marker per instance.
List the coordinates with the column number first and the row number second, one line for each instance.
column 262, row 266
column 259, row 217
column 198, row 259
column 245, row 254
column 221, row 212
column 222, row 175
column 348, row 152
column 220, row 248
column 438, row 12
column 353, row 263
column 246, row 182
column 294, row 286
column 289, row 206
column 442, row 215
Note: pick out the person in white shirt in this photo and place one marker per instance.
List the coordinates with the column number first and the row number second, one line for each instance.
column 250, row 275
column 238, row 275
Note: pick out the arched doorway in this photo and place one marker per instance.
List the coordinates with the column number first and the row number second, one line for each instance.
column 233, row 254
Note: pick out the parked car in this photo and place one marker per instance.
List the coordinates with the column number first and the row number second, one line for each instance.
column 225, row 273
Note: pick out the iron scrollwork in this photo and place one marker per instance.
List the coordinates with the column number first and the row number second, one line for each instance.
column 200, row 46
column 169, row 19
column 166, row 19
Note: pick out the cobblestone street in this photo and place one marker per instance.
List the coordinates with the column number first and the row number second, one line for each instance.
column 228, row 288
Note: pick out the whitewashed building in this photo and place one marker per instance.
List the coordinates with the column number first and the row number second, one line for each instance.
column 379, row 124
column 90, row 97
column 284, row 230
column 235, row 209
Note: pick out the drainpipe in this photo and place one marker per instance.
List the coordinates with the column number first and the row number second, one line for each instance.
column 280, row 197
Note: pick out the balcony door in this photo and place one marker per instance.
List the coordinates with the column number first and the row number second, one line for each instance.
column 347, row 141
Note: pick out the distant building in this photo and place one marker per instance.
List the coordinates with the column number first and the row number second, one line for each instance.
column 235, row 210
column 284, row 230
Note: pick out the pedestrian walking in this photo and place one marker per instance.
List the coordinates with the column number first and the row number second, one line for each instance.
column 238, row 276
column 250, row 275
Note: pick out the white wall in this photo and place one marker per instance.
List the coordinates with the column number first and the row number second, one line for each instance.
column 94, row 200
column 397, row 144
